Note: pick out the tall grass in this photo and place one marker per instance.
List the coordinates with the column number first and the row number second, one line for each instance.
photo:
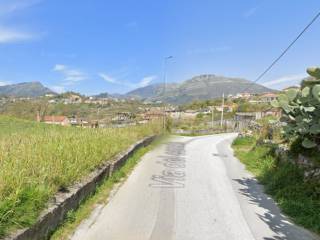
column 37, row 160
column 284, row 181
column 101, row 195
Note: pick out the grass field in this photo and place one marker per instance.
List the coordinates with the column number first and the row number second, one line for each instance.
column 101, row 195
column 284, row 181
column 37, row 160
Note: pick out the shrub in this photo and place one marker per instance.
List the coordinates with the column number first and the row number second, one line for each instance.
column 240, row 141
column 301, row 109
column 284, row 181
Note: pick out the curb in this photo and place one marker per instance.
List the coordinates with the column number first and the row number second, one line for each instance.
column 63, row 202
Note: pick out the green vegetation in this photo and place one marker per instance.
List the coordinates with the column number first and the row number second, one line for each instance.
column 27, row 109
column 244, row 106
column 37, row 160
column 195, row 105
column 284, row 181
column 302, row 111
column 240, row 105
column 101, row 195
column 296, row 148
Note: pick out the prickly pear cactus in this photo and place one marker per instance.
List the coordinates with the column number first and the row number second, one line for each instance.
column 301, row 108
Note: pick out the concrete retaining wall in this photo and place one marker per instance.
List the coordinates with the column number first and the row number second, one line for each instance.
column 63, row 202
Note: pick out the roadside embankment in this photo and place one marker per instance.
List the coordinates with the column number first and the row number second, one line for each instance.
column 43, row 164
column 284, row 180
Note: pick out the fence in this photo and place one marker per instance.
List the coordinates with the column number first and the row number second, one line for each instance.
column 229, row 125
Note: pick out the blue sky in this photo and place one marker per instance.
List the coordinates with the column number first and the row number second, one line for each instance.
column 94, row 46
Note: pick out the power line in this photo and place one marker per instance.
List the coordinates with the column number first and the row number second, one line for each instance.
column 284, row 52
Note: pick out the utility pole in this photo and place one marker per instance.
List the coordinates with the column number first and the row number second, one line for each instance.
column 222, row 106
column 164, row 90
column 212, row 116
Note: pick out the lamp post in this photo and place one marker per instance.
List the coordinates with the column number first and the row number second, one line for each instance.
column 164, row 89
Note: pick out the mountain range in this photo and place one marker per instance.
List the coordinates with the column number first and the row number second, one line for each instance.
column 26, row 89
column 201, row 87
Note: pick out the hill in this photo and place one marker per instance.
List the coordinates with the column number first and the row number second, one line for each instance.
column 27, row 89
column 102, row 95
column 201, row 87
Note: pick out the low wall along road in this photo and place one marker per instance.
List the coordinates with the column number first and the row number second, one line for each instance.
column 63, row 202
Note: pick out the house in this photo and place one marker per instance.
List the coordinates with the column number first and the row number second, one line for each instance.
column 226, row 108
column 244, row 95
column 176, row 114
column 72, row 99
column 268, row 97
column 252, row 116
column 123, row 117
column 57, row 120
column 75, row 98
column 189, row 113
column 101, row 101
column 52, row 101
column 154, row 115
column 275, row 112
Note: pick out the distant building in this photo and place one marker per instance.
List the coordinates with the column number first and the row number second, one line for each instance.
column 57, row 120
column 122, row 117
column 252, row 116
column 243, row 95
column 101, row 101
column 75, row 98
column 275, row 112
column 153, row 115
column 268, row 97
column 190, row 113
column 72, row 99
column 52, row 101
column 226, row 108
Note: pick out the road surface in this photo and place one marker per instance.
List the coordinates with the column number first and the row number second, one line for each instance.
column 190, row 188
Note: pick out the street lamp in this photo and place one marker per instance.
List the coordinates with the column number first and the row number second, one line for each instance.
column 165, row 73
column 164, row 89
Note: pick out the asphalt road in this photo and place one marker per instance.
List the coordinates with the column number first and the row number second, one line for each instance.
column 191, row 188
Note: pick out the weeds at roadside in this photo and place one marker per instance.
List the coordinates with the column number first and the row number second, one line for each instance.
column 37, row 160
column 284, row 181
column 101, row 195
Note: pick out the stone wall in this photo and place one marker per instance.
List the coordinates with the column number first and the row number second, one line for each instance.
column 310, row 170
column 70, row 199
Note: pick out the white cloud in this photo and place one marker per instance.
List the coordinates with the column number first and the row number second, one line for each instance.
column 10, row 6
column 285, row 80
column 107, row 78
column 70, row 75
column 9, row 35
column 13, row 34
column 146, row 81
column 250, row 12
column 58, row 89
column 59, row 67
column 4, row 83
